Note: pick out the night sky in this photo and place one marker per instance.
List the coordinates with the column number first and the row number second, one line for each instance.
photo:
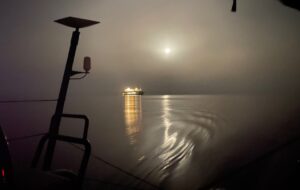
column 212, row 50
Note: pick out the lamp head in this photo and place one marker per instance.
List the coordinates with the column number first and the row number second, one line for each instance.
column 87, row 64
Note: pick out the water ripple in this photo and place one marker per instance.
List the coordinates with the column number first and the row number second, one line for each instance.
column 182, row 131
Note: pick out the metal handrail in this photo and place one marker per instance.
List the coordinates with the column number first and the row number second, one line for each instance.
column 83, row 141
column 79, row 116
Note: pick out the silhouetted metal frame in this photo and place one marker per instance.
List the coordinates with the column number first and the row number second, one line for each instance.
column 53, row 134
column 83, row 141
column 55, row 122
column 291, row 3
column 233, row 8
column 86, row 122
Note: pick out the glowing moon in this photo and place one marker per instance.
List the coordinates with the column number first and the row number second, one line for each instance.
column 167, row 51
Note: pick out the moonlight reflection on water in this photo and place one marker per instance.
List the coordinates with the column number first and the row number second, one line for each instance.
column 170, row 133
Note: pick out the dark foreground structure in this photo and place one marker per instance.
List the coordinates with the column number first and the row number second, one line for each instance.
column 53, row 135
column 291, row 3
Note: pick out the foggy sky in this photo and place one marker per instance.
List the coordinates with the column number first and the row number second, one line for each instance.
column 213, row 50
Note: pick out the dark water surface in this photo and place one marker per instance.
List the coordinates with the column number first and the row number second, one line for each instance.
column 174, row 142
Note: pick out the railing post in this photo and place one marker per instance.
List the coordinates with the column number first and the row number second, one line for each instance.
column 55, row 122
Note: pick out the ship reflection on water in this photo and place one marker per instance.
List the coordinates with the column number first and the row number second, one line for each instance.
column 132, row 116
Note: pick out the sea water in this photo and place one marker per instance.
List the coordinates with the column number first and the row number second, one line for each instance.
column 169, row 141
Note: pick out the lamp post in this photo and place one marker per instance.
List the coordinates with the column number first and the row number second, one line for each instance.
column 56, row 119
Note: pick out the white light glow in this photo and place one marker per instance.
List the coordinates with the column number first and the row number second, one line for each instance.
column 167, row 51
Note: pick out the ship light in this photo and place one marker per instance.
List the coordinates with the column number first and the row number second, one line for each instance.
column 128, row 90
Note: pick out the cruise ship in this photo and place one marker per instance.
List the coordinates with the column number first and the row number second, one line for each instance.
column 133, row 91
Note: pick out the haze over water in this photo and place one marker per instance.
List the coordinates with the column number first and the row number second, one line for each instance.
column 174, row 142
column 166, row 47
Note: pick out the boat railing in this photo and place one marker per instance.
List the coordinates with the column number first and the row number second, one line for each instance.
column 82, row 141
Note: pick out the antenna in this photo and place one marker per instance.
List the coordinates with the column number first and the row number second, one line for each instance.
column 74, row 22
column 52, row 134
column 233, row 9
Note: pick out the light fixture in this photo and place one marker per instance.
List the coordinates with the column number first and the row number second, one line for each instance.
column 87, row 64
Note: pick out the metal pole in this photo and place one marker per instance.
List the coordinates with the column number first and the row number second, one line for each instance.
column 233, row 9
column 55, row 122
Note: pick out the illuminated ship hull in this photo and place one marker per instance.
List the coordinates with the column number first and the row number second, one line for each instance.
column 133, row 91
